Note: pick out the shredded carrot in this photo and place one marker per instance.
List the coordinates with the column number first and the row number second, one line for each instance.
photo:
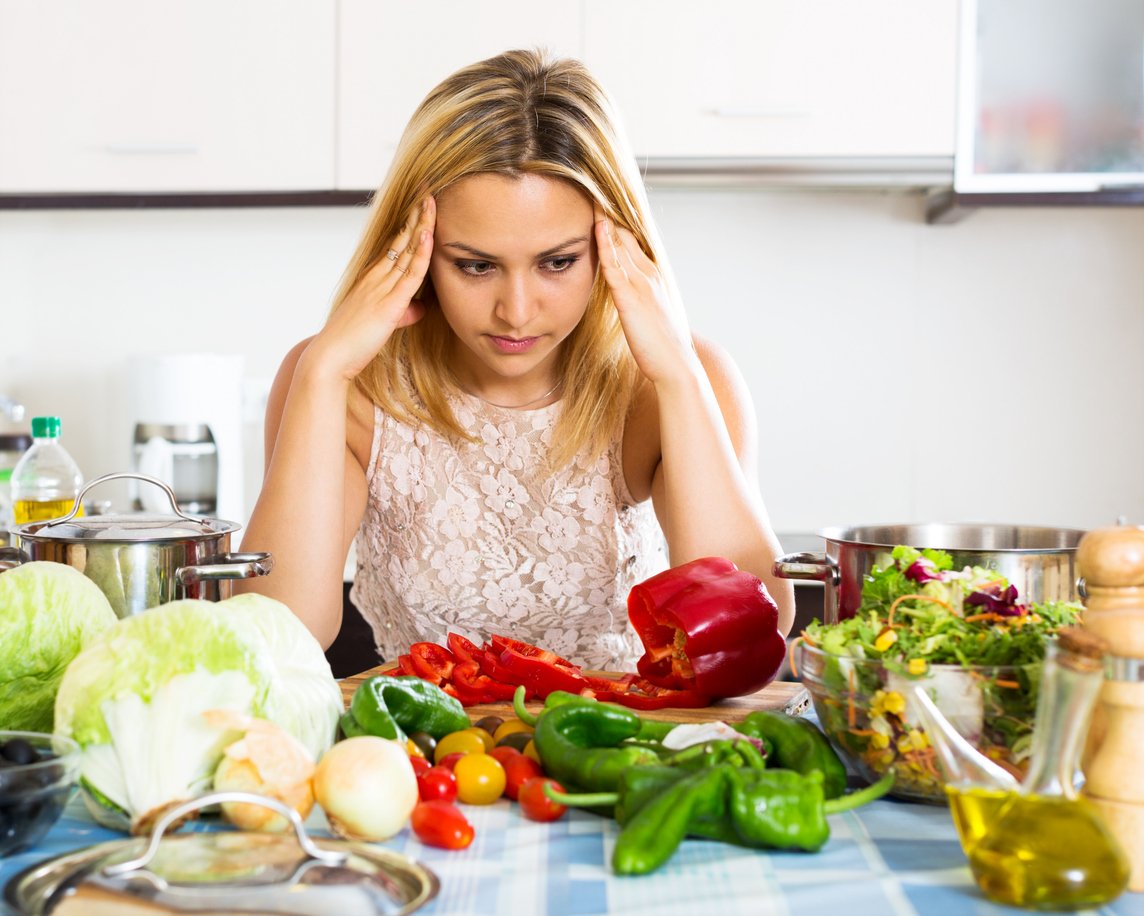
column 897, row 601
column 863, row 732
column 790, row 653
column 851, row 710
column 987, row 615
column 1011, row 684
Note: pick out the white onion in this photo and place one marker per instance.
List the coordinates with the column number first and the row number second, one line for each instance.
column 367, row 788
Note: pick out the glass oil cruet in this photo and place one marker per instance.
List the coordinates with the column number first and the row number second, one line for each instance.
column 1047, row 847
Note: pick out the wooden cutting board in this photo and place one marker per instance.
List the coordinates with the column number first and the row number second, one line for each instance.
column 785, row 696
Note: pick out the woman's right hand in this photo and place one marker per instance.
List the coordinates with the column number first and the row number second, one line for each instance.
column 381, row 300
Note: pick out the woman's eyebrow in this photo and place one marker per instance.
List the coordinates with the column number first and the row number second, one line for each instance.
column 476, row 252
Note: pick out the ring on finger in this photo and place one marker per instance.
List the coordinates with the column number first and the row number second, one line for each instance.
column 391, row 254
column 404, row 270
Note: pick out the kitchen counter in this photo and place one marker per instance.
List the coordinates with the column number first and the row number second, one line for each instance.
column 887, row 858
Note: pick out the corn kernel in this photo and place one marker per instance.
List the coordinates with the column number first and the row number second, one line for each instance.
column 917, row 666
column 885, row 639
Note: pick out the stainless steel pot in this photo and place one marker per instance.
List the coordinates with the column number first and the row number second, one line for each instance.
column 141, row 560
column 1041, row 562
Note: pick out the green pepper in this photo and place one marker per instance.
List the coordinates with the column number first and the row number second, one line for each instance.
column 388, row 707
column 650, row 729
column 579, row 744
column 797, row 744
column 771, row 809
column 349, row 726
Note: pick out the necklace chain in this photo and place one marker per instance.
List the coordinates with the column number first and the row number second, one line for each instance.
column 551, row 391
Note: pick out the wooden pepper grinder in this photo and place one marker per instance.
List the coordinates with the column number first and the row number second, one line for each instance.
column 1111, row 563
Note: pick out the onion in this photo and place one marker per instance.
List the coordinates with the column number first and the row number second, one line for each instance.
column 267, row 761
column 367, row 788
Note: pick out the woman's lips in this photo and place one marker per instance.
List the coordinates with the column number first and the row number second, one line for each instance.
column 513, row 344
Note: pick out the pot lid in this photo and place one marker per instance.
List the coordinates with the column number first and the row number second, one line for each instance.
column 226, row 871
column 128, row 527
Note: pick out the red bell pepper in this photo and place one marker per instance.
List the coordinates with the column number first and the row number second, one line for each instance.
column 708, row 628
column 467, row 683
column 432, row 662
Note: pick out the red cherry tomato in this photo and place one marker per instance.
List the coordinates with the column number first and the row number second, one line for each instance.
column 420, row 765
column 537, row 806
column 516, row 770
column 437, row 783
column 504, row 753
column 450, row 760
column 441, row 823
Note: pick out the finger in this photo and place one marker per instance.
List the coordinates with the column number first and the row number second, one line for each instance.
column 610, row 262
column 425, row 222
column 401, row 240
column 632, row 255
column 413, row 276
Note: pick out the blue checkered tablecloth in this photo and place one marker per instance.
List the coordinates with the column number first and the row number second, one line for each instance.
column 886, row 858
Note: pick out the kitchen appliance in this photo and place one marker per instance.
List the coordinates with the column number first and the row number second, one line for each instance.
column 141, row 560
column 187, row 414
column 1039, row 561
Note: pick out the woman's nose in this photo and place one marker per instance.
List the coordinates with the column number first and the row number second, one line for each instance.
column 516, row 303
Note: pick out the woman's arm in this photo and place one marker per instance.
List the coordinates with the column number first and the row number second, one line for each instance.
column 314, row 491
column 703, row 481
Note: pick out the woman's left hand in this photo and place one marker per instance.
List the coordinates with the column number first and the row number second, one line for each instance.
column 654, row 324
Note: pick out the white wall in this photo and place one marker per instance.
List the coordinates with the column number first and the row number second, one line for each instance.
column 984, row 371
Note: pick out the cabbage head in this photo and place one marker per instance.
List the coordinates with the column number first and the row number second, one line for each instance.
column 48, row 613
column 134, row 699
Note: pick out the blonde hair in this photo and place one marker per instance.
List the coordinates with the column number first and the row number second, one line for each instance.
column 518, row 113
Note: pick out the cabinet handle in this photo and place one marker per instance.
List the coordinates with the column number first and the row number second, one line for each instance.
column 757, row 112
column 151, row 149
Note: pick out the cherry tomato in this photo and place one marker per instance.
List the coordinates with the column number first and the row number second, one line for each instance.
column 486, row 738
column 420, row 765
column 466, row 741
column 480, row 779
column 441, row 823
column 437, row 783
column 450, row 760
column 511, row 727
column 537, row 806
column 516, row 771
column 531, row 751
column 504, row 754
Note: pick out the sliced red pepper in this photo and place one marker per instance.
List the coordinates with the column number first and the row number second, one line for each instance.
column 432, row 662
column 405, row 665
column 464, row 650
column 709, row 629
column 538, row 669
column 473, row 688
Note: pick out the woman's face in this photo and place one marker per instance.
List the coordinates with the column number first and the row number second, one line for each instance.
column 513, row 264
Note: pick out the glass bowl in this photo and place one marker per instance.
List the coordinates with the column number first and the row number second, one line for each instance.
column 864, row 706
column 38, row 774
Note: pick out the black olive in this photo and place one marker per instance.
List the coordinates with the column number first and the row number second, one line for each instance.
column 490, row 724
column 519, row 740
column 426, row 742
column 18, row 751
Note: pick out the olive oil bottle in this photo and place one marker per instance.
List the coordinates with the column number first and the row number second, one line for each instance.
column 46, row 479
column 1043, row 846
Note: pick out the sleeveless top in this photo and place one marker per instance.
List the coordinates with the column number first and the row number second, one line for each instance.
column 476, row 538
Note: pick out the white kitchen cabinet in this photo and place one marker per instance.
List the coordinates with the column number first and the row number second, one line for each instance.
column 779, row 78
column 138, row 96
column 391, row 54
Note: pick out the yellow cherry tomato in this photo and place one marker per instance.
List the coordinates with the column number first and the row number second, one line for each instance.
column 531, row 751
column 462, row 742
column 480, row 779
column 486, row 738
column 412, row 749
column 511, row 727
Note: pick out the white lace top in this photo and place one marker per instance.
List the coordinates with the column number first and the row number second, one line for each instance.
column 475, row 538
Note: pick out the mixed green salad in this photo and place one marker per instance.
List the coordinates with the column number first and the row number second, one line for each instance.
column 966, row 635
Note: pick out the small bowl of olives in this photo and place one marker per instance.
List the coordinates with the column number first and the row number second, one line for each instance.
column 38, row 774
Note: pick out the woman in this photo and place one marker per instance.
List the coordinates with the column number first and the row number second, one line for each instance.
column 505, row 406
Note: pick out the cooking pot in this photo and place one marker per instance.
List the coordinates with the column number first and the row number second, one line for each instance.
column 141, row 560
column 1041, row 562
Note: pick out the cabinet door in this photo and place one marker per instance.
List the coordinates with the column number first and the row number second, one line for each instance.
column 392, row 54
column 166, row 95
column 779, row 77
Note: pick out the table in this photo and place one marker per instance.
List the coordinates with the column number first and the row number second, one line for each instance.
column 890, row 857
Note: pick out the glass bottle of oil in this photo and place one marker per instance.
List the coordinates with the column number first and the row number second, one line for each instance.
column 1045, row 846
column 46, row 479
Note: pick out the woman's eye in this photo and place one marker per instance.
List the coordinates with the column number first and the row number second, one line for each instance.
column 475, row 268
column 562, row 263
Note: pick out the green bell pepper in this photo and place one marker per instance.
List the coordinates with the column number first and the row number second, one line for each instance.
column 650, row 729
column 579, row 744
column 388, row 707
column 797, row 744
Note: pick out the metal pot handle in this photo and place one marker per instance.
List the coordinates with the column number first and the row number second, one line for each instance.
column 813, row 567
column 123, row 475
column 175, row 815
column 227, row 566
column 11, row 557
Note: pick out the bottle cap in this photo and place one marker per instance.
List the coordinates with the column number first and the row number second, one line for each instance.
column 45, row 427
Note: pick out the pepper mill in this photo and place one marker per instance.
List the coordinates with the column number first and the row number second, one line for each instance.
column 1110, row 561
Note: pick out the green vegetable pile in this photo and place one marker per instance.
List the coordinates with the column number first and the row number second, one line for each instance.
column 964, row 634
